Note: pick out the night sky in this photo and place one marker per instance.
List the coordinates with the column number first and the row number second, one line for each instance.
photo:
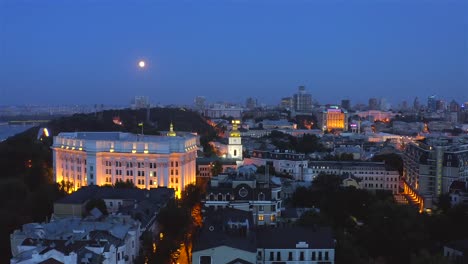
column 86, row 52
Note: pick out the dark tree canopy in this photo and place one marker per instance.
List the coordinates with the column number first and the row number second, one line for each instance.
column 96, row 203
column 217, row 168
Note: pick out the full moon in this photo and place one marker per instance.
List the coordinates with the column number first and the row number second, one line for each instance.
column 141, row 64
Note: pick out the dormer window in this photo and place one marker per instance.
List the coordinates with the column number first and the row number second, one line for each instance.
column 261, row 197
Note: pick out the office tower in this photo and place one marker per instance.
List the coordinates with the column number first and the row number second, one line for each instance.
column 140, row 102
column 416, row 104
column 200, row 103
column 454, row 106
column 373, row 104
column 346, row 104
column 302, row 100
column 431, row 103
column 440, row 105
column 287, row 103
column 404, row 105
column 251, row 103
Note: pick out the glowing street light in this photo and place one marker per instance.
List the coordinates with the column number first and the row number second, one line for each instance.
column 142, row 64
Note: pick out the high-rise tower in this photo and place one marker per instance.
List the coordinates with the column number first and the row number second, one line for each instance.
column 302, row 100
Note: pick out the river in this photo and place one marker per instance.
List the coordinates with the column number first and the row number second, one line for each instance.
column 7, row 130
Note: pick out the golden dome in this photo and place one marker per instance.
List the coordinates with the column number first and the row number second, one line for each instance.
column 171, row 132
column 235, row 132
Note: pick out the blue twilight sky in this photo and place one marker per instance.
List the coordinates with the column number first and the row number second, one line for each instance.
column 86, row 52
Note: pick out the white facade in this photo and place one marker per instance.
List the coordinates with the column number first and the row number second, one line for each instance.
column 235, row 148
column 221, row 254
column 301, row 254
column 372, row 175
column 101, row 158
column 294, row 164
column 235, row 142
column 263, row 199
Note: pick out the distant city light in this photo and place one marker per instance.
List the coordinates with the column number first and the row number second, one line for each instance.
column 141, row 64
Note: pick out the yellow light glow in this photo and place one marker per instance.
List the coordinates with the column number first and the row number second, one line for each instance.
column 134, row 151
column 46, row 132
column 141, row 64
column 111, row 150
column 73, row 148
column 80, row 148
column 145, row 151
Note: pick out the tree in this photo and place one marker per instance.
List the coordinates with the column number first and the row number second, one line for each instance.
column 191, row 196
column 393, row 160
column 424, row 257
column 66, row 186
column 327, row 182
column 96, row 203
column 312, row 219
column 444, row 202
column 124, row 184
column 217, row 168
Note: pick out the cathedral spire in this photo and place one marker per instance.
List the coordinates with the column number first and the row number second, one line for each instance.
column 171, row 132
column 235, row 132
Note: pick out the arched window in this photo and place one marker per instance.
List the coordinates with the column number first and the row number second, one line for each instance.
column 211, row 197
column 261, row 197
column 228, row 197
column 220, row 197
column 235, row 152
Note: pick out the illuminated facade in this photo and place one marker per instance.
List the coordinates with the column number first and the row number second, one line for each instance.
column 101, row 158
column 335, row 118
column 235, row 142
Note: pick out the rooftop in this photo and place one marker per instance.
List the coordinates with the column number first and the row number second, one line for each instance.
column 217, row 232
column 119, row 136
column 289, row 237
column 76, row 228
column 95, row 192
column 350, row 164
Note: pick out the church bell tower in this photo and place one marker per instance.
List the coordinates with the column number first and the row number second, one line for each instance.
column 235, row 142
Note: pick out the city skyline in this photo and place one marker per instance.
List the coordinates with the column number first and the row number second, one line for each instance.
column 64, row 52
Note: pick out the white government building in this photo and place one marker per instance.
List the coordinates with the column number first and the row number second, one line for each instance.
column 101, row 158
